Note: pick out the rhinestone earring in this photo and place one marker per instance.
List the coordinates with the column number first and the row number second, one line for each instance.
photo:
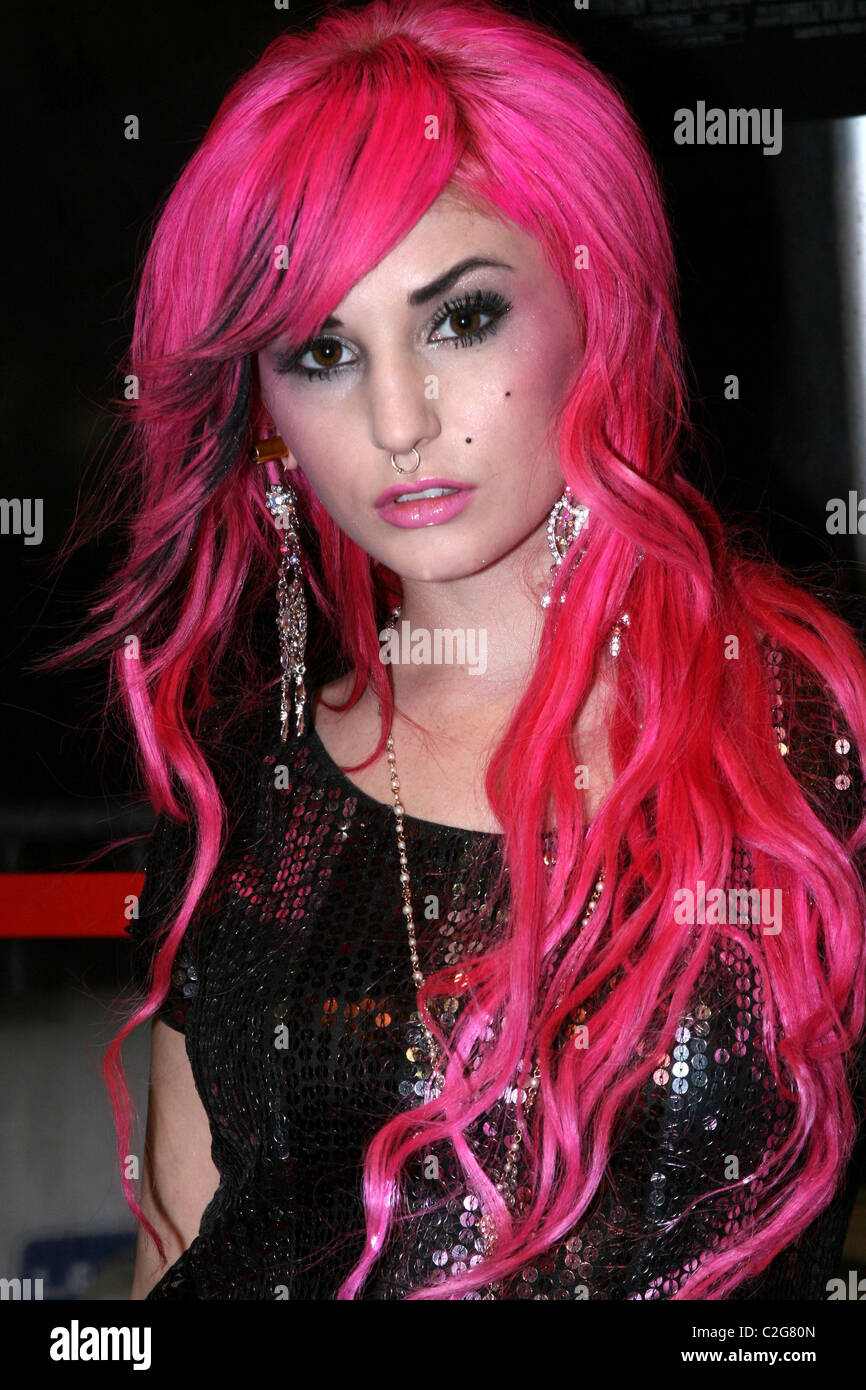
column 564, row 524
column 291, row 603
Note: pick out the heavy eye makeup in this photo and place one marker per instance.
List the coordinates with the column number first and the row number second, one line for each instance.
column 479, row 303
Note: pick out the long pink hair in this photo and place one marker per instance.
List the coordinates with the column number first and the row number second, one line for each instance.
column 332, row 147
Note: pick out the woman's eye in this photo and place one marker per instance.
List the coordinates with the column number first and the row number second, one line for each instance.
column 469, row 323
column 325, row 354
column 463, row 316
column 327, row 350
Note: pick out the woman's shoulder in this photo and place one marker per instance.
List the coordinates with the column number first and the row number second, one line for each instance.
column 344, row 731
column 338, row 689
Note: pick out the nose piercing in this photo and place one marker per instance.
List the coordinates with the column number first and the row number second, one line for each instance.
column 396, row 465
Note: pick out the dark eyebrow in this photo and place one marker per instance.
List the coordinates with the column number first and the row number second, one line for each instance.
column 437, row 286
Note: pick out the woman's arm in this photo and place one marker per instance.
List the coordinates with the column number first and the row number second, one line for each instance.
column 178, row 1174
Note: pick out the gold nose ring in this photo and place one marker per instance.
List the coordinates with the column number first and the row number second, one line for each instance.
column 396, row 465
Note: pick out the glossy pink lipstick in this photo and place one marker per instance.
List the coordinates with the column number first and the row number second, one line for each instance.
column 423, row 511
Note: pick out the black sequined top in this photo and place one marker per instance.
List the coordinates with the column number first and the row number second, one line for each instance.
column 293, row 988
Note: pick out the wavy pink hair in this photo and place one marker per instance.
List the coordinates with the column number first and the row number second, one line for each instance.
column 531, row 131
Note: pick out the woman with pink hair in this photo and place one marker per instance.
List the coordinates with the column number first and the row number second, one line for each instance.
column 503, row 929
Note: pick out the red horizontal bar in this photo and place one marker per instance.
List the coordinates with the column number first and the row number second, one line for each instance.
column 85, row 904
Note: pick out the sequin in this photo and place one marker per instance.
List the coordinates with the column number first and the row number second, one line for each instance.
column 302, row 928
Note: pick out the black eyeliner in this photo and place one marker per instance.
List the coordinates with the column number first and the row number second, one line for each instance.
column 487, row 301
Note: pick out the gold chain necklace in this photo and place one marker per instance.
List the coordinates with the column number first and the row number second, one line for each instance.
column 486, row 1227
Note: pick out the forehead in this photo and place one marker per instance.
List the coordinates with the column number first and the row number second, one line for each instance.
column 450, row 230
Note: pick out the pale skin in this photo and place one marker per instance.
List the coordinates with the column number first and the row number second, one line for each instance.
column 485, row 568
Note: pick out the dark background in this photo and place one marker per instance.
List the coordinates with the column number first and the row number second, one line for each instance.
column 761, row 298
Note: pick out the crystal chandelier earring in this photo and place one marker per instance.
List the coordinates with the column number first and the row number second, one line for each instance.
column 564, row 524
column 291, row 603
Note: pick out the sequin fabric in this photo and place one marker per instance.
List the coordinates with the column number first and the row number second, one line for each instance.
column 294, row 992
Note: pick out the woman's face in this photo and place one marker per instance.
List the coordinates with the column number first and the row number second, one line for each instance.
column 472, row 385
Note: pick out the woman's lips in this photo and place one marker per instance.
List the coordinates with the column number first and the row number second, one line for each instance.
column 424, row 511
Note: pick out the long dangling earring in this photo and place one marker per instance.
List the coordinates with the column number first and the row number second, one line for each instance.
column 291, row 603
column 564, row 524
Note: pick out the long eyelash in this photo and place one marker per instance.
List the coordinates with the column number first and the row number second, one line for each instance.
column 489, row 301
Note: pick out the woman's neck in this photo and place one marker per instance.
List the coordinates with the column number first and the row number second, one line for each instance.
column 474, row 637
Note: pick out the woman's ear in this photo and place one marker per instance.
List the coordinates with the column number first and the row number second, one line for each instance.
column 287, row 460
